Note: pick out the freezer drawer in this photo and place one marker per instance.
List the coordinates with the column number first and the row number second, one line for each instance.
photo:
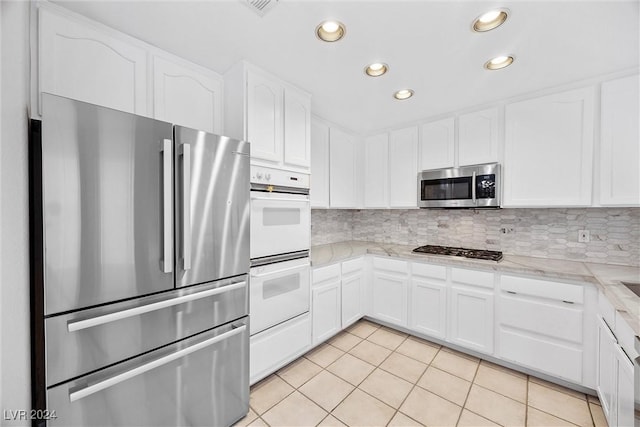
column 199, row 381
column 84, row 341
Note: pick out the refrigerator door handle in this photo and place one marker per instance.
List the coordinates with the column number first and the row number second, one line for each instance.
column 185, row 152
column 166, row 264
column 136, row 311
column 116, row 379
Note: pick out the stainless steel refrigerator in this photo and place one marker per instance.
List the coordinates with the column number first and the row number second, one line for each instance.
column 140, row 256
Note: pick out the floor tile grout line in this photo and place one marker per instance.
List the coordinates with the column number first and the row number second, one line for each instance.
column 549, row 413
column 526, row 399
column 464, row 404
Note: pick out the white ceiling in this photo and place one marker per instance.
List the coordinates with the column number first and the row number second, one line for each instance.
column 428, row 45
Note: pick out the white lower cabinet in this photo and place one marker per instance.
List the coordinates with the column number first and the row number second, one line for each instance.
column 471, row 317
column 606, row 379
column 428, row 314
column 277, row 346
column 325, row 302
column 352, row 287
column 389, row 289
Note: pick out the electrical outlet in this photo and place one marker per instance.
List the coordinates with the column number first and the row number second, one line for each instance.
column 584, row 236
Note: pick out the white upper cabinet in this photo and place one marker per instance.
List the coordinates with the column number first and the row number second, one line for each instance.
column 478, row 137
column 264, row 117
column 343, row 178
column 187, row 95
column 403, row 168
column 620, row 143
column 376, row 175
column 297, row 129
column 549, row 150
column 80, row 61
column 437, row 145
column 319, row 183
column 275, row 119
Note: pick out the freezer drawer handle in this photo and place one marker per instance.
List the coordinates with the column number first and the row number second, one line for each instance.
column 271, row 273
column 116, row 379
column 136, row 311
column 167, row 208
column 186, row 206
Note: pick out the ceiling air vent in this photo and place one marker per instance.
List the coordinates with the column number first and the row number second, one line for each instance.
column 261, row 7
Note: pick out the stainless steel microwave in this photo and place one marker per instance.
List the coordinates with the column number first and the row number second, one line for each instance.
column 477, row 186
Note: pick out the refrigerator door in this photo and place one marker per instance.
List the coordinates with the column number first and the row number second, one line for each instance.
column 212, row 206
column 107, row 204
column 200, row 381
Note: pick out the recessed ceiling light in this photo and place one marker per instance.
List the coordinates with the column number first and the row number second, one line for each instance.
column 376, row 69
column 330, row 31
column 403, row 94
column 498, row 62
column 490, row 20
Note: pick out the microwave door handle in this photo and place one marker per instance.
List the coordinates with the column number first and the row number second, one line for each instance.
column 166, row 263
column 117, row 379
column 185, row 152
column 473, row 188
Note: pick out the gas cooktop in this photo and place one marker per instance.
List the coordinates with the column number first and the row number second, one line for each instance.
column 463, row 252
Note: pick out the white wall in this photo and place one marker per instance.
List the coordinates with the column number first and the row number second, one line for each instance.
column 14, row 210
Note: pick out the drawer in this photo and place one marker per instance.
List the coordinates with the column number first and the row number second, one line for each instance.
column 482, row 279
column 277, row 346
column 323, row 274
column 429, row 271
column 353, row 265
column 542, row 355
column 390, row 264
column 543, row 289
column 83, row 341
column 543, row 318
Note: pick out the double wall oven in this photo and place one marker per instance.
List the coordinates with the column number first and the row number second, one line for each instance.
column 280, row 242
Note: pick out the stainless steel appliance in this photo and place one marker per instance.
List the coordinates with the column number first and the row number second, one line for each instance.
column 477, row 186
column 280, row 243
column 140, row 261
column 461, row 252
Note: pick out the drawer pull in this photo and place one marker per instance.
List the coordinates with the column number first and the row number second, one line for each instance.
column 512, row 292
column 567, row 302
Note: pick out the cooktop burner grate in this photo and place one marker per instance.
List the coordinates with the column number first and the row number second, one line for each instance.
column 463, row 252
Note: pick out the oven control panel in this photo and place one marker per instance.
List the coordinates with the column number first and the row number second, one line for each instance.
column 278, row 177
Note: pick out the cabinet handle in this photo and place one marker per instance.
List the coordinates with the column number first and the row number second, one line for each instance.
column 512, row 292
column 567, row 302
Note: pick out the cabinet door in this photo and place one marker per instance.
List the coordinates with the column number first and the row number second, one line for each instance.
column 478, row 137
column 548, row 150
column 80, row 62
column 187, row 96
column 297, row 129
column 437, row 149
column 472, row 323
column 342, row 167
column 326, row 311
column 264, row 117
column 352, row 291
column 389, row 299
column 319, row 181
column 428, row 307
column 376, row 159
column 620, row 143
column 403, row 168
column 624, row 407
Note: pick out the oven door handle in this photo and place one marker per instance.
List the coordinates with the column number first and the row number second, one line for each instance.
column 136, row 311
column 116, row 379
column 271, row 273
column 280, row 199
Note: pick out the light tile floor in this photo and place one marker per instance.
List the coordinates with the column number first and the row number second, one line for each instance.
column 370, row 375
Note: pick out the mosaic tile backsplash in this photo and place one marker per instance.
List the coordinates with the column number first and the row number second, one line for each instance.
column 546, row 233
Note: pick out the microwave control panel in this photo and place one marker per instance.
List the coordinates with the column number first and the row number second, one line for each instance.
column 486, row 186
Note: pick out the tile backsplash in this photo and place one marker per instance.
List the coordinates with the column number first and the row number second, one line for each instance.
column 546, row 233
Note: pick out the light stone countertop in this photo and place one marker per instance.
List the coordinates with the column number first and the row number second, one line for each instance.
column 606, row 277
